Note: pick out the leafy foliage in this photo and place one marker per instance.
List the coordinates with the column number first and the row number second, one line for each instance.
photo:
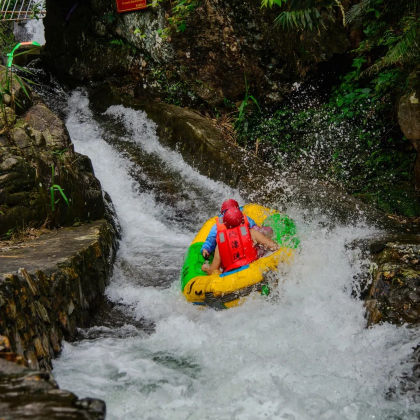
column 303, row 14
column 360, row 153
column 240, row 123
column 7, row 89
column 353, row 139
column 391, row 29
column 56, row 188
column 181, row 10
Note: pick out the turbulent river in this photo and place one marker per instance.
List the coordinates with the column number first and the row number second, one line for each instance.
column 302, row 353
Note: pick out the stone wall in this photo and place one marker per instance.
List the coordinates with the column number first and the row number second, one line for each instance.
column 51, row 286
column 394, row 290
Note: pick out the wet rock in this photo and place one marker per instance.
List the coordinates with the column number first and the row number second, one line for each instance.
column 7, row 118
column 27, row 393
column 409, row 381
column 51, row 286
column 36, row 153
column 394, row 293
column 202, row 146
column 20, row 138
column 409, row 117
column 4, row 344
column 44, row 121
column 223, row 41
column 9, row 163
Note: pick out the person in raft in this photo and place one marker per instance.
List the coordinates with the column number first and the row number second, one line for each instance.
column 235, row 242
column 210, row 244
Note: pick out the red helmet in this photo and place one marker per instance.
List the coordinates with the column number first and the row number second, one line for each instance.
column 233, row 218
column 229, row 204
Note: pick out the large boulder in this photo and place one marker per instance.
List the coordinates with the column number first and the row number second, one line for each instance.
column 409, row 118
column 34, row 394
column 394, row 290
column 224, row 41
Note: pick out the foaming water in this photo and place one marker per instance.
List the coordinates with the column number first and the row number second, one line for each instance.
column 303, row 353
column 31, row 30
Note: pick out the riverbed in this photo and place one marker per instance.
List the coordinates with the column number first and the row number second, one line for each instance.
column 302, row 353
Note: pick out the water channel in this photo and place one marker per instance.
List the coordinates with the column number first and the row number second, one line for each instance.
column 303, row 353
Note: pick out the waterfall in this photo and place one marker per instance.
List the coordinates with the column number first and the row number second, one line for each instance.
column 30, row 30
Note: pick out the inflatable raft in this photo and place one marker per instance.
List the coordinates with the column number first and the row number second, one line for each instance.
column 224, row 290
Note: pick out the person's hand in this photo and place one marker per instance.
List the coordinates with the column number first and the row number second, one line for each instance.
column 206, row 254
column 205, row 267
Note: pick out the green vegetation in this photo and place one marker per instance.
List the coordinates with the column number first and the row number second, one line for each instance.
column 56, row 188
column 353, row 139
column 247, row 104
column 8, row 88
column 304, row 14
column 7, row 38
column 181, row 10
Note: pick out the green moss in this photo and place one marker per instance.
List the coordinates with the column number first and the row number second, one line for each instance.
column 401, row 200
column 365, row 153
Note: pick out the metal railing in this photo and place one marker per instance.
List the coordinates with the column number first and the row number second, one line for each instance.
column 22, row 9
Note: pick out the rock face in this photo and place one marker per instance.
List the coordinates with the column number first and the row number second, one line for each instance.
column 394, row 294
column 202, row 146
column 409, row 118
column 223, row 42
column 27, row 393
column 51, row 286
column 35, row 154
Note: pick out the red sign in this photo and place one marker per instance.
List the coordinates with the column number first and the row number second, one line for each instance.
column 130, row 5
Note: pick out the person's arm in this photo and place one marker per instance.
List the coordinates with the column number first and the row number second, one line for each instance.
column 215, row 265
column 210, row 243
column 263, row 240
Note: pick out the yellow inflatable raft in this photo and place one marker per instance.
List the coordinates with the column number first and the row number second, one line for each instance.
column 224, row 290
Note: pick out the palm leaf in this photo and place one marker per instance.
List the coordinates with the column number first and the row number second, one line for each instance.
column 255, row 101
column 391, row 10
column 18, row 79
column 29, row 81
column 22, row 68
column 271, row 3
column 58, row 188
column 301, row 19
column 52, row 198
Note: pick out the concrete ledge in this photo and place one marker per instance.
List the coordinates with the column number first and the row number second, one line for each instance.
column 51, row 286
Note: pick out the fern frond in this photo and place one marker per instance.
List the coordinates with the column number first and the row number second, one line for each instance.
column 356, row 14
column 301, row 19
column 271, row 3
column 405, row 49
column 401, row 7
column 391, row 9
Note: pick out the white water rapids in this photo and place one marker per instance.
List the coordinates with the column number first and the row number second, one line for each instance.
column 301, row 354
